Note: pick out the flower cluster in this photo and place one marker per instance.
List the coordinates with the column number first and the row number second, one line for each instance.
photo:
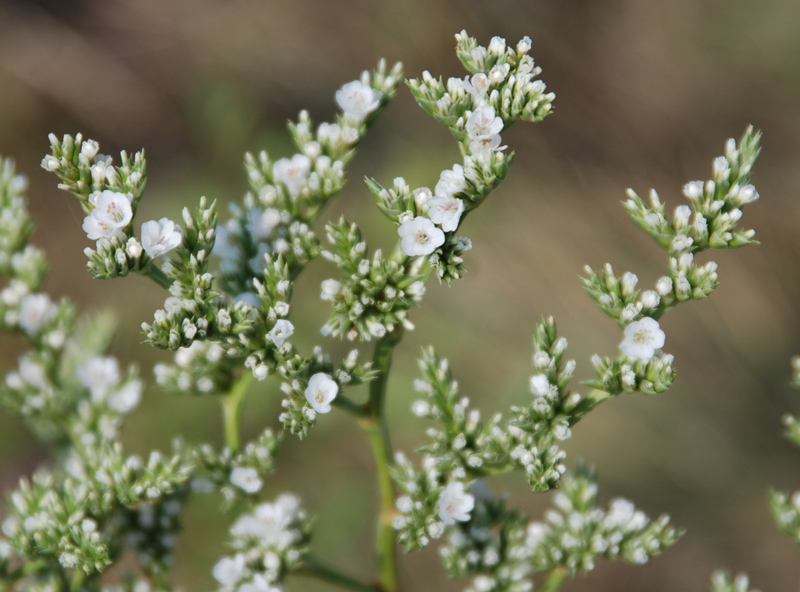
column 227, row 320
column 375, row 296
column 499, row 91
column 722, row 581
column 312, row 385
column 75, row 396
column 77, row 516
column 109, row 196
column 716, row 204
column 286, row 195
column 239, row 475
column 576, row 530
column 268, row 542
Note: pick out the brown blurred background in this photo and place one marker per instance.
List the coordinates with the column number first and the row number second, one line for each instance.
column 647, row 94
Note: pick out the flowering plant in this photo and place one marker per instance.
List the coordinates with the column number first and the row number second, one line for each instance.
column 227, row 320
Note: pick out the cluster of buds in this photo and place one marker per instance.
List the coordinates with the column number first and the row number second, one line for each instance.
column 269, row 541
column 238, row 475
column 375, row 296
column 576, row 531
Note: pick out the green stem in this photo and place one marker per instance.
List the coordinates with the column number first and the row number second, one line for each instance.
column 592, row 400
column 158, row 276
column 350, row 406
column 555, row 580
column 374, row 425
column 77, row 581
column 231, row 403
column 314, row 569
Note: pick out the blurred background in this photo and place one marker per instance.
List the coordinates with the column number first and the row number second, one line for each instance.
column 647, row 93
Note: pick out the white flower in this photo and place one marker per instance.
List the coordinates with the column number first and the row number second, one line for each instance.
column 540, row 386
column 477, row 87
column 650, row 299
column 420, row 237
column 133, row 248
column 269, row 522
column 642, row 339
column 127, row 398
column 292, row 173
column 330, row 288
column 261, row 224
column 246, row 479
column 89, row 149
column 451, row 181
column 497, row 46
column 281, row 308
column 160, row 237
column 357, row 99
column 229, row 570
column 746, row 195
column 446, row 211
column 484, row 123
column 258, row 584
column 282, row 330
column 455, row 504
column 99, row 374
column 112, row 212
column 664, row 286
column 620, row 513
column 33, row 312
column 321, row 391
column 485, row 145
column 693, row 190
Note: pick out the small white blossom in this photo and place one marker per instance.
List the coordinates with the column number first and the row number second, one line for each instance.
column 420, row 237
column 650, row 299
column 451, row 181
column 642, row 339
column 693, row 190
column 282, row 330
column 111, row 213
column 321, row 390
column 421, row 197
column 455, row 504
column 446, row 211
column 89, row 149
column 229, row 570
column 484, row 123
column 99, row 374
column 747, row 194
column 358, row 100
column 160, row 237
column 540, row 386
column 664, row 285
column 477, row 86
column 292, row 173
column 127, row 398
column 258, row 584
column 33, row 312
column 246, row 479
column 330, row 288
column 133, row 248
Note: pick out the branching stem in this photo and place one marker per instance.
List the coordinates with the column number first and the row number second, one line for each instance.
column 313, row 568
column 555, row 580
column 374, row 423
column 231, row 405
